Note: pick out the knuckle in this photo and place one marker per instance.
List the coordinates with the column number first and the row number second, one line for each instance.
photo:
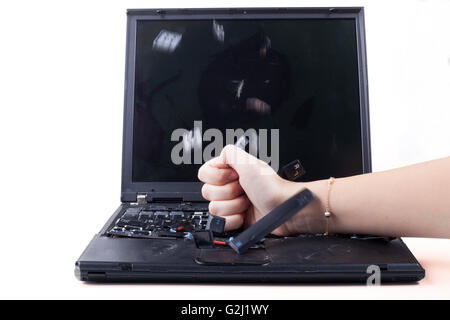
column 243, row 202
column 212, row 207
column 200, row 173
column 240, row 220
column 231, row 190
column 221, row 175
column 236, row 189
column 234, row 222
column 227, row 148
column 227, row 152
column 228, row 190
column 205, row 192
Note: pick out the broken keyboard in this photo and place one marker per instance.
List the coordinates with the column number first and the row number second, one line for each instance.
column 141, row 222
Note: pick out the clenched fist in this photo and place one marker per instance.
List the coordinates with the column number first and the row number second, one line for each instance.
column 243, row 189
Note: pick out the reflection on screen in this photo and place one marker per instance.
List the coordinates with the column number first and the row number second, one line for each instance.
column 295, row 77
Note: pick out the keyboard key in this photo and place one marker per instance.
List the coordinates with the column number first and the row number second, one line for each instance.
column 147, row 223
column 131, row 213
column 161, row 214
column 134, row 223
column 145, row 216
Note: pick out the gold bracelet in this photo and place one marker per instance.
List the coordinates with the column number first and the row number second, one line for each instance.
column 327, row 213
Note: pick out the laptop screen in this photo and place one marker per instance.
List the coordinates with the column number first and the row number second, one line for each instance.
column 281, row 89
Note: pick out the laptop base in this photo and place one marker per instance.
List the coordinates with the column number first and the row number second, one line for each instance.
column 304, row 258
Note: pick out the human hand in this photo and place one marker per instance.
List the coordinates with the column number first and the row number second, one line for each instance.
column 243, row 189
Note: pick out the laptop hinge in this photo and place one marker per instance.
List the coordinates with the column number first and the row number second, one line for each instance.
column 141, row 198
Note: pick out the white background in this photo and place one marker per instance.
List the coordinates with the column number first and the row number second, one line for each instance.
column 61, row 106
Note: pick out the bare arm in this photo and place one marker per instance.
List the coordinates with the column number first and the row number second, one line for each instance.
column 410, row 201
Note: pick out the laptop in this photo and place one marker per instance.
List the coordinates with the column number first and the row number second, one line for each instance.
column 284, row 83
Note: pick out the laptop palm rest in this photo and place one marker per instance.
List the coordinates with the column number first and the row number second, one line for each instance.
column 228, row 257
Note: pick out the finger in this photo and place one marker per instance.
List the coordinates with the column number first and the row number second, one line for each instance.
column 218, row 163
column 228, row 207
column 216, row 174
column 234, row 221
column 246, row 165
column 226, row 192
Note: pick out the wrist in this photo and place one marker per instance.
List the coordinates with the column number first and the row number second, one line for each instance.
column 319, row 188
column 311, row 219
column 336, row 222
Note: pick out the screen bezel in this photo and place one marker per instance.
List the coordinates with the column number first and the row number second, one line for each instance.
column 190, row 191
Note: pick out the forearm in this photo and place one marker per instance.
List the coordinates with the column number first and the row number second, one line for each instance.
column 409, row 201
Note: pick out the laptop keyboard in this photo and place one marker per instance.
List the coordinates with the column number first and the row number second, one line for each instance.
column 142, row 222
column 178, row 222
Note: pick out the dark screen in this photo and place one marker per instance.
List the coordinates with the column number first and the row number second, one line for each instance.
column 297, row 76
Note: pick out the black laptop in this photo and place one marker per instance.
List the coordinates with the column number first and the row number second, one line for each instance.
column 296, row 79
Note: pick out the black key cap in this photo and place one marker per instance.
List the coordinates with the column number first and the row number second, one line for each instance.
column 215, row 224
column 121, row 223
column 131, row 213
column 145, row 216
column 135, row 223
column 176, row 214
